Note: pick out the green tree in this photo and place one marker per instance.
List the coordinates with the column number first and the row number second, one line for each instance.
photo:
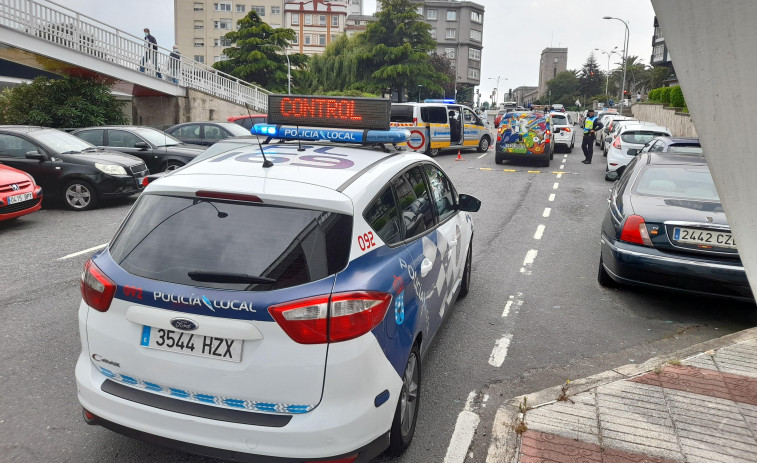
column 441, row 66
column 564, row 83
column 257, row 54
column 591, row 79
column 62, row 103
column 658, row 76
column 398, row 47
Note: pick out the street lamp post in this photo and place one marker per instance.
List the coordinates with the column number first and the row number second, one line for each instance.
column 497, row 95
column 420, row 89
column 607, row 79
column 625, row 54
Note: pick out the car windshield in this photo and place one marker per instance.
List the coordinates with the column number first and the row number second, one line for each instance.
column 684, row 148
column 288, row 245
column 60, row 142
column 683, row 181
column 640, row 137
column 235, row 129
column 559, row 120
column 157, row 137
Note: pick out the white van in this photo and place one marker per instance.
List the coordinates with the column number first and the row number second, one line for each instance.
column 438, row 125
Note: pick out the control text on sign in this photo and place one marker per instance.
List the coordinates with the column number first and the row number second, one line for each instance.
column 332, row 112
column 320, row 107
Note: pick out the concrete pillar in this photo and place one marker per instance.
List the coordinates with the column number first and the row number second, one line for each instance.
column 712, row 48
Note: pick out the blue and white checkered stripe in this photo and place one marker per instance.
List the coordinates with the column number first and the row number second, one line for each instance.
column 207, row 399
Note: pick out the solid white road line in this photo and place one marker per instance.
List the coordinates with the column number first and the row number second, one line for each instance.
column 547, row 211
column 552, row 197
column 465, row 428
column 92, row 249
column 499, row 353
column 554, row 187
column 483, row 155
column 539, row 232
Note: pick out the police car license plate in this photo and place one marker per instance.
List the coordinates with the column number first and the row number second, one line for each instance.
column 19, row 198
column 704, row 237
column 192, row 344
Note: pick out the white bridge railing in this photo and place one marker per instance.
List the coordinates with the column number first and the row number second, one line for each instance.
column 62, row 26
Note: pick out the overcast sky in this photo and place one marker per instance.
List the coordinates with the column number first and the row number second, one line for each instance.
column 515, row 31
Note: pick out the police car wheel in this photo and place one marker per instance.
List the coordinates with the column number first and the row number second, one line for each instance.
column 79, row 195
column 433, row 152
column 483, row 145
column 465, row 286
column 406, row 415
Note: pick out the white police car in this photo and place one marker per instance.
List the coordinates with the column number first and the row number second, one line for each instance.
column 277, row 311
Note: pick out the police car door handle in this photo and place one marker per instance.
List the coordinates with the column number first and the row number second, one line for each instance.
column 426, row 267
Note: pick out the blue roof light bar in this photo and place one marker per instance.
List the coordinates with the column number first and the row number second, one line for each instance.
column 445, row 101
column 394, row 135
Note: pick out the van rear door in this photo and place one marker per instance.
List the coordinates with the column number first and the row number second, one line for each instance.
column 438, row 125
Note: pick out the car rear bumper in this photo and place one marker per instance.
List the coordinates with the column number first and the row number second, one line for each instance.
column 642, row 266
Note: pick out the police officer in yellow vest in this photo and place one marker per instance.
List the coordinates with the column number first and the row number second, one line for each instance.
column 591, row 125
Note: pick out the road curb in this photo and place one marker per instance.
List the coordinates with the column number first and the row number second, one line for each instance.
column 505, row 442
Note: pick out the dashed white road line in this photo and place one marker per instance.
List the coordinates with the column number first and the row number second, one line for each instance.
column 539, row 232
column 499, row 353
column 92, row 249
column 565, row 156
column 528, row 262
column 555, row 186
column 465, row 428
column 482, row 155
column 547, row 211
column 552, row 197
column 514, row 303
column 560, row 174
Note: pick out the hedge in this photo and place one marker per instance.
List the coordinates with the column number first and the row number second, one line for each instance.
column 654, row 94
column 676, row 97
column 665, row 95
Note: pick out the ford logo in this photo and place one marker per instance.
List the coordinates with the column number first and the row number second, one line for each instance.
column 184, row 324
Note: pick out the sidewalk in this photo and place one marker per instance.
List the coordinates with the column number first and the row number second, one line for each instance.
column 697, row 405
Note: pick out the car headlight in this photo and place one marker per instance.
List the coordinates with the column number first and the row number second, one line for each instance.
column 110, row 169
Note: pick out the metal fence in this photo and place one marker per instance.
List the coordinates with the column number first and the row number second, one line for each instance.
column 62, row 26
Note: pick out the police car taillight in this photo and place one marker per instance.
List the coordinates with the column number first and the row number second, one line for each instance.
column 309, row 321
column 97, row 289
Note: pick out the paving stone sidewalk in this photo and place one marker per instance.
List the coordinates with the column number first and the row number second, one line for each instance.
column 699, row 407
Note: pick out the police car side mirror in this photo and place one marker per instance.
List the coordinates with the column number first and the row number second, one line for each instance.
column 469, row 203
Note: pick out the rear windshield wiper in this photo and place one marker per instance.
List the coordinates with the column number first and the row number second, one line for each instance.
column 223, row 277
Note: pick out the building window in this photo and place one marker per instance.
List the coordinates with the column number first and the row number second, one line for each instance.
column 475, row 35
column 419, row 10
column 200, row 58
column 295, row 19
column 657, row 32
column 222, row 6
column 220, row 58
column 260, row 10
column 322, row 20
column 449, row 53
column 275, row 10
column 433, row 33
column 308, row 20
column 307, row 39
column 476, row 17
column 322, row 40
column 199, row 42
column 657, row 53
column 222, row 42
column 431, row 14
column 296, row 39
column 334, row 21
column 240, row 8
column 451, row 15
column 199, row 6
column 222, row 24
column 451, row 33
column 473, row 73
column 474, row 54
column 199, row 24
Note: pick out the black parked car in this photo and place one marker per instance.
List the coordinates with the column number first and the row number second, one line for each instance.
column 665, row 228
column 206, row 133
column 69, row 168
column 159, row 150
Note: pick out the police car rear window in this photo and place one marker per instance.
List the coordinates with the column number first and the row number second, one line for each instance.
column 166, row 237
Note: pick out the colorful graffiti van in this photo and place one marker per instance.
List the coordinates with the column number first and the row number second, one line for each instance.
column 525, row 135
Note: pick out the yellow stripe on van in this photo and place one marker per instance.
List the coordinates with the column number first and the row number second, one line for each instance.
column 440, row 144
column 470, row 143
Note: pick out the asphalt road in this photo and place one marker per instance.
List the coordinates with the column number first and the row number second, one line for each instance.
column 534, row 318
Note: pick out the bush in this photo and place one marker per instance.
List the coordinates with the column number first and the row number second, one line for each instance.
column 654, row 94
column 665, row 95
column 676, row 97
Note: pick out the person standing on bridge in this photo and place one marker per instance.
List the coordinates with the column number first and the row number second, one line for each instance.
column 151, row 53
column 175, row 64
column 591, row 125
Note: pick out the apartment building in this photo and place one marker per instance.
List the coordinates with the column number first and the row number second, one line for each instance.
column 458, row 28
column 201, row 24
column 661, row 55
column 316, row 23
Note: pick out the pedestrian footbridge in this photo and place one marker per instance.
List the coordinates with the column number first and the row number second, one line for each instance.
column 45, row 35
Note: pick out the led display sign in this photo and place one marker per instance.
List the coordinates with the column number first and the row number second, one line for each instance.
column 321, row 111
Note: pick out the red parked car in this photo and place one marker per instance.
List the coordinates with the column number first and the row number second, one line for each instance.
column 248, row 121
column 19, row 194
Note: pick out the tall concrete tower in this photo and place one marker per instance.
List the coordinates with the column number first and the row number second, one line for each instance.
column 553, row 61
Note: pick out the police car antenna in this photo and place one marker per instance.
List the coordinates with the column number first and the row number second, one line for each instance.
column 299, row 142
column 266, row 162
